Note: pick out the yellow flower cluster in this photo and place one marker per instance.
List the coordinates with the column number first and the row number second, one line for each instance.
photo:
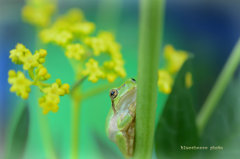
column 93, row 71
column 75, row 51
column 38, row 12
column 174, row 59
column 20, row 84
column 33, row 63
column 105, row 43
column 165, row 81
column 66, row 28
column 21, row 55
column 72, row 32
column 50, row 101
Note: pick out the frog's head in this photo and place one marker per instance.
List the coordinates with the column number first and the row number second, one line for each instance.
column 123, row 96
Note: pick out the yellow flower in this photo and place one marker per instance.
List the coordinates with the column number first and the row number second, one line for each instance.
column 41, row 54
column 174, row 58
column 114, row 68
column 103, row 43
column 42, row 73
column 75, row 51
column 33, row 63
column 165, row 81
column 73, row 15
column 51, row 99
column 83, row 28
column 20, row 84
column 60, row 37
column 21, row 55
column 96, row 44
column 66, row 28
column 106, row 36
column 188, row 80
column 93, row 71
column 17, row 55
column 38, row 12
column 29, row 62
column 49, row 102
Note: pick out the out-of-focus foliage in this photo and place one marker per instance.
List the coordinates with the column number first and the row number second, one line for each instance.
column 223, row 128
column 176, row 126
column 18, row 133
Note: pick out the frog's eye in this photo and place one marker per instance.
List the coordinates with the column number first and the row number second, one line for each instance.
column 113, row 93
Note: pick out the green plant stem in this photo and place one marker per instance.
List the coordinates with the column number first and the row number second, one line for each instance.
column 77, row 84
column 44, row 127
column 75, row 132
column 46, row 136
column 219, row 88
column 151, row 20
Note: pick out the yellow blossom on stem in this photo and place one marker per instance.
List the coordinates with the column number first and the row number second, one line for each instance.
column 30, row 61
column 114, row 68
column 93, row 71
column 38, row 73
column 40, row 55
column 165, row 81
column 51, row 99
column 20, row 84
column 103, row 43
column 83, row 28
column 19, row 53
column 73, row 15
column 66, row 28
column 75, row 51
column 42, row 73
column 38, row 12
column 174, row 58
column 97, row 44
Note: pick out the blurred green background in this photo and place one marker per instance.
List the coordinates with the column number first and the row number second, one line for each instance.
column 207, row 29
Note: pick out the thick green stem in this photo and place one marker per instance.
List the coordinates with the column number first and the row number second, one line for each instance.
column 46, row 136
column 44, row 125
column 151, row 25
column 75, row 132
column 219, row 88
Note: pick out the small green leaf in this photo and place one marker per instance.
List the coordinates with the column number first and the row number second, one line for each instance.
column 18, row 133
column 223, row 128
column 176, row 126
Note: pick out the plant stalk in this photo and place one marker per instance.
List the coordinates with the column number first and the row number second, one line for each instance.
column 42, row 119
column 218, row 89
column 151, row 25
column 75, row 132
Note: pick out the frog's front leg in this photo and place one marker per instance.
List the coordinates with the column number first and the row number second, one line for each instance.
column 124, row 123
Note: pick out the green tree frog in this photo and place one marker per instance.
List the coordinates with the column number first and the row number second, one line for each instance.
column 120, row 124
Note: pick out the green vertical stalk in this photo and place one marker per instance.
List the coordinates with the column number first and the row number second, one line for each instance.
column 219, row 88
column 46, row 136
column 151, row 26
column 43, row 121
column 75, row 127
